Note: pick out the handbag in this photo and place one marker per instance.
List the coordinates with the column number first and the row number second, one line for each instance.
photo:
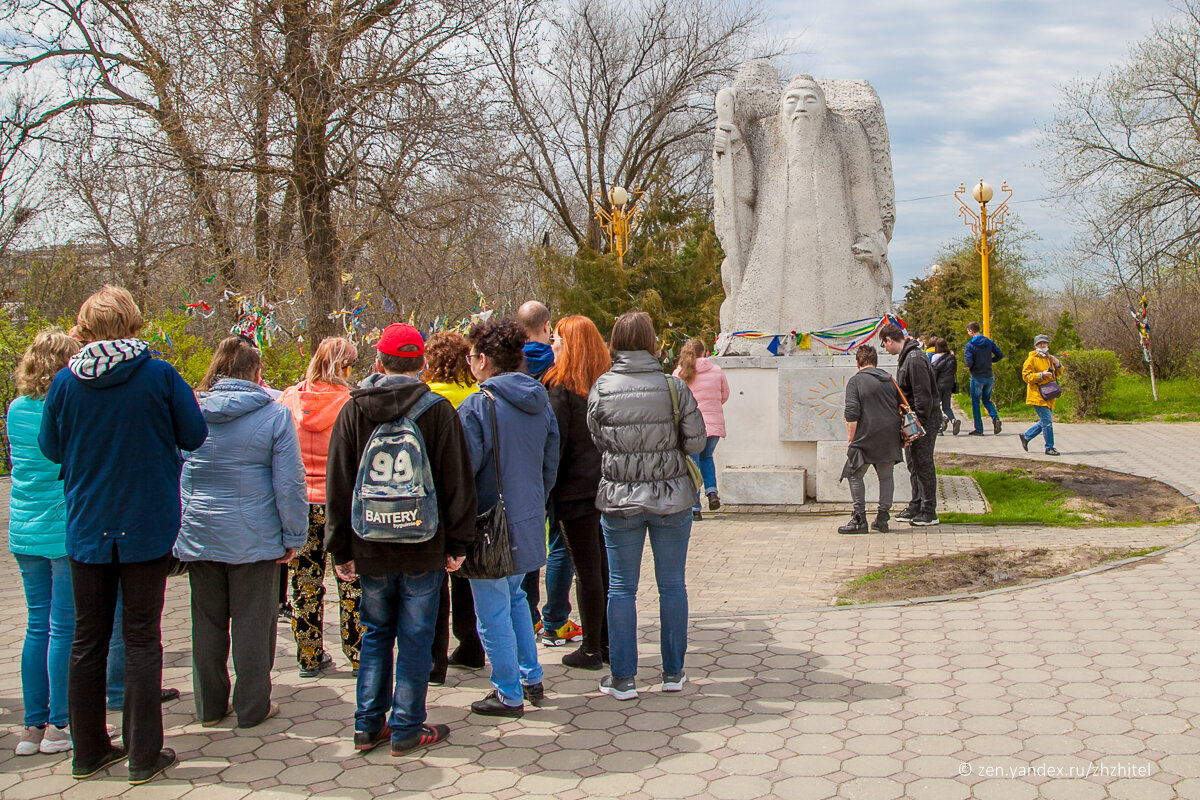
column 693, row 469
column 490, row 557
column 1050, row 391
column 910, row 426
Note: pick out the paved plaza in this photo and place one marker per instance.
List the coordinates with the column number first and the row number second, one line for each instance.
column 1081, row 688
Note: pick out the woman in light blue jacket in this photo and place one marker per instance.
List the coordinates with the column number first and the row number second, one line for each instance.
column 37, row 537
column 245, row 510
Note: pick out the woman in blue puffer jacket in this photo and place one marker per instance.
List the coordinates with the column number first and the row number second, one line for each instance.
column 245, row 510
column 37, row 537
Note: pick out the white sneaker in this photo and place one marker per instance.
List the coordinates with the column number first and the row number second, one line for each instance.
column 30, row 739
column 673, row 683
column 55, row 740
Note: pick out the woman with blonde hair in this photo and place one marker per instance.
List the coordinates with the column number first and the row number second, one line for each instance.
column 711, row 390
column 37, row 537
column 580, row 357
column 315, row 403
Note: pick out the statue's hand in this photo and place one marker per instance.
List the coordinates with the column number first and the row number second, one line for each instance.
column 727, row 138
column 870, row 250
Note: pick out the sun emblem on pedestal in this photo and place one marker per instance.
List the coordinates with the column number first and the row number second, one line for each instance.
column 828, row 398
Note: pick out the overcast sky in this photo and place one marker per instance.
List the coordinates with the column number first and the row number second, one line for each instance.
column 967, row 87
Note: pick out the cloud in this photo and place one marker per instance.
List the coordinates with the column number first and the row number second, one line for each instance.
column 967, row 89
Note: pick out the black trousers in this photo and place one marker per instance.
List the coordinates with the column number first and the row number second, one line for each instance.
column 233, row 605
column 95, row 589
column 922, row 474
column 585, row 547
column 456, row 611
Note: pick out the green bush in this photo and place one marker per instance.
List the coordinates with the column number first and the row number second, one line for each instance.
column 1089, row 376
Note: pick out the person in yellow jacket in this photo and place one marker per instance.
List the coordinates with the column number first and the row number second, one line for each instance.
column 1040, row 368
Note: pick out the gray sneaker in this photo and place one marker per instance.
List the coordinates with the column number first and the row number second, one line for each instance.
column 673, row 683
column 620, row 688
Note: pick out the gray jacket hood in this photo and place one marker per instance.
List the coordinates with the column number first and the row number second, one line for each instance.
column 231, row 398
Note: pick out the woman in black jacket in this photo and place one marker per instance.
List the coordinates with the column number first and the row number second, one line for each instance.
column 580, row 357
column 945, row 369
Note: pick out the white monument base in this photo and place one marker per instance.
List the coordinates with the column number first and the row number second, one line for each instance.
column 785, row 429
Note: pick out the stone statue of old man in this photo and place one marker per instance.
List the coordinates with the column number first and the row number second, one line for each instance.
column 805, row 203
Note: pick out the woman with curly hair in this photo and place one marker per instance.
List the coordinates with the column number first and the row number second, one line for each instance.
column 580, row 357
column 448, row 373
column 527, row 450
column 315, row 403
column 37, row 537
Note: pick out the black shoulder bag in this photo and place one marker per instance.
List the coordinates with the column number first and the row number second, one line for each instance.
column 489, row 557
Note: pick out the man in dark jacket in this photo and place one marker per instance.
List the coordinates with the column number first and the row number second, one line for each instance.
column 401, row 582
column 116, row 420
column 873, row 428
column 980, row 353
column 919, row 385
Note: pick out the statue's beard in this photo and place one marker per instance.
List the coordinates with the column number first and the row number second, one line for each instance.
column 806, row 126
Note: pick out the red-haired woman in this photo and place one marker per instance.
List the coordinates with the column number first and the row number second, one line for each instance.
column 580, row 357
column 315, row 403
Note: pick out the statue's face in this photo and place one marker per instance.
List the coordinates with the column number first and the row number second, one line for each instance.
column 804, row 102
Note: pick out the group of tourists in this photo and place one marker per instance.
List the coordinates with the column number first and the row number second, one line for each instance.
column 876, row 404
column 122, row 475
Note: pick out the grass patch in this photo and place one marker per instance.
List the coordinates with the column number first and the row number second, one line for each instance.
column 1129, row 400
column 1017, row 499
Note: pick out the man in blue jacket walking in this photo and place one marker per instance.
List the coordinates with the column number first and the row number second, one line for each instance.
column 980, row 353
column 115, row 420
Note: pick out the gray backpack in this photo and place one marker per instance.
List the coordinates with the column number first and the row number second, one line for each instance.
column 394, row 497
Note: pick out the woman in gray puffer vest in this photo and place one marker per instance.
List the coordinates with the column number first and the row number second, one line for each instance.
column 644, row 486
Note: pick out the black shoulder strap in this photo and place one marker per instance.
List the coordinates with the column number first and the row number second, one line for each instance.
column 495, row 441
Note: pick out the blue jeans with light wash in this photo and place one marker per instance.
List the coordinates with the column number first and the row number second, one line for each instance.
column 1044, row 426
column 981, row 392
column 46, row 654
column 624, row 539
column 502, row 616
column 708, row 470
column 114, row 685
column 559, row 576
column 399, row 613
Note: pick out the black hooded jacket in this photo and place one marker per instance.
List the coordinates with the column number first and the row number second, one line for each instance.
column 919, row 384
column 384, row 398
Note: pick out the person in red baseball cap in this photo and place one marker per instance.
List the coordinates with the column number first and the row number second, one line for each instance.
column 400, row 340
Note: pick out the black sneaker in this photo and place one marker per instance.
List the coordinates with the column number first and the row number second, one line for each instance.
column 714, row 501
column 1024, row 442
column 114, row 754
column 430, row 734
column 169, row 694
column 457, row 659
column 924, row 519
column 325, row 663
column 581, row 660
column 996, row 426
column 493, row 706
column 1050, row 451
column 365, row 742
column 673, row 683
column 857, row 524
column 956, row 426
column 975, row 433
column 535, row 694
column 908, row 513
column 620, row 688
column 166, row 757
column 881, row 522
column 696, row 515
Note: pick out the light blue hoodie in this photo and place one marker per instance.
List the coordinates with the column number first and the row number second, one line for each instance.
column 243, row 491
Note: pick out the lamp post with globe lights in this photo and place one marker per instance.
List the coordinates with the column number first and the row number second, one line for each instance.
column 982, row 225
column 620, row 219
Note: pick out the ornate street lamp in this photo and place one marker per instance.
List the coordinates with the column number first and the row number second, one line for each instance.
column 982, row 225
column 620, row 219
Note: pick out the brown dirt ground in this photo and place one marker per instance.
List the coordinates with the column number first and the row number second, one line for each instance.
column 1100, row 494
column 975, row 571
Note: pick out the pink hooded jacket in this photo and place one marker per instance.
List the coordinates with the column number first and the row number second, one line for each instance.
column 711, row 390
column 314, row 408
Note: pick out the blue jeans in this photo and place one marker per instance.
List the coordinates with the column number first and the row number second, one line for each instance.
column 401, row 610
column 704, row 459
column 502, row 616
column 1044, row 426
column 981, row 392
column 49, row 632
column 624, row 539
column 559, row 575
column 114, row 685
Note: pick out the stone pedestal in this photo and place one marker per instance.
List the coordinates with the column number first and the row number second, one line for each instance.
column 786, row 430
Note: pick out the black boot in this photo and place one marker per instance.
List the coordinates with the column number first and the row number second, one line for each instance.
column 857, row 524
column 880, row 523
